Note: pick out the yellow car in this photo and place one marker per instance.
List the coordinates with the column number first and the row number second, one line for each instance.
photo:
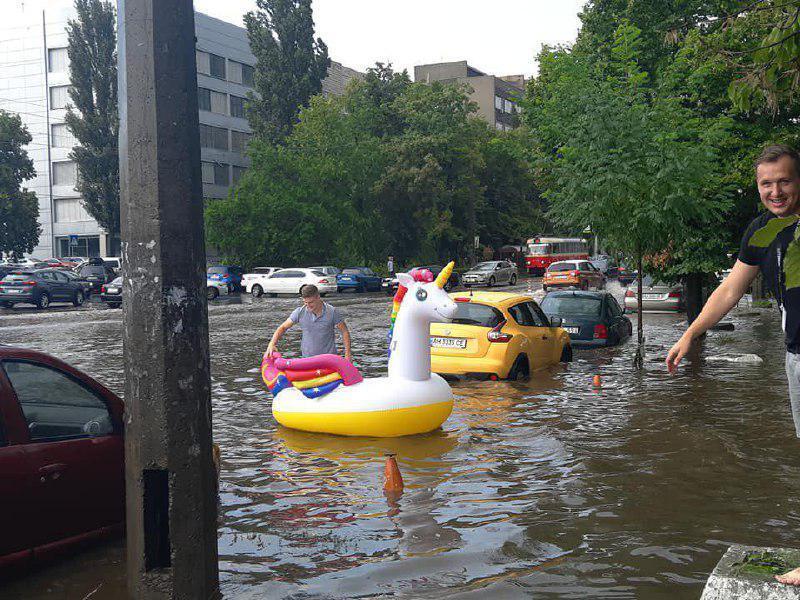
column 497, row 335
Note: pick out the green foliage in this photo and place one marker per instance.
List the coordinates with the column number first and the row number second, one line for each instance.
column 92, row 118
column 19, row 208
column 392, row 167
column 290, row 65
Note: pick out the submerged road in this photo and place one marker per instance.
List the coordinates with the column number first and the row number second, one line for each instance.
column 544, row 489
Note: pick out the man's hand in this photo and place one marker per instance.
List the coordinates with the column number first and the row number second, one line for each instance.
column 270, row 349
column 348, row 357
column 677, row 352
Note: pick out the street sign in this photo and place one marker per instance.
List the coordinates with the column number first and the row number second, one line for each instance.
column 477, row 242
column 73, row 240
column 588, row 229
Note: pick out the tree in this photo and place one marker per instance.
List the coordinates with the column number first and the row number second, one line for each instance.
column 19, row 208
column 616, row 156
column 290, row 65
column 92, row 118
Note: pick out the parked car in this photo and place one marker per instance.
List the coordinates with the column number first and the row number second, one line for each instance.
column 56, row 263
column 96, row 274
column 389, row 284
column 490, row 273
column 626, row 275
column 291, row 281
column 657, row 296
column 590, row 318
column 75, row 278
column 216, row 288
column 61, row 456
column 111, row 293
column 252, row 282
column 228, row 274
column 497, row 335
column 72, row 261
column 605, row 264
column 328, row 270
column 573, row 273
column 113, row 262
column 40, row 288
column 360, row 279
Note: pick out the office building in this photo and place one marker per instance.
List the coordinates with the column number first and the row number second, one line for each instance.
column 497, row 97
column 34, row 82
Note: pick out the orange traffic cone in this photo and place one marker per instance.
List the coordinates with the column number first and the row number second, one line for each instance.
column 596, row 382
column 393, row 479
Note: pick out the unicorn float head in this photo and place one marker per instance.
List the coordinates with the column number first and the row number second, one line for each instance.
column 327, row 394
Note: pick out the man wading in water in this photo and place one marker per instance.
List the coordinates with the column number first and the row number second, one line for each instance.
column 770, row 245
column 318, row 320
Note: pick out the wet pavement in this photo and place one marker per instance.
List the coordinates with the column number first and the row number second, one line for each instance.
column 544, row 489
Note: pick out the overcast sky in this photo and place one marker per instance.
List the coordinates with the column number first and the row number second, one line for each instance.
column 500, row 37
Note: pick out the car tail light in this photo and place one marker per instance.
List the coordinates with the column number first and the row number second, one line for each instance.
column 461, row 299
column 573, row 273
column 674, row 295
column 600, row 332
column 495, row 335
column 630, row 294
column 323, row 281
column 31, row 282
column 103, row 289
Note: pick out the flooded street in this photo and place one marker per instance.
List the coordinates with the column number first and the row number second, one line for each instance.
column 544, row 489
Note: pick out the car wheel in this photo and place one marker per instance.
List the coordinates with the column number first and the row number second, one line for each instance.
column 566, row 354
column 212, row 293
column 361, row 289
column 491, row 281
column 520, row 370
column 43, row 301
column 256, row 291
column 338, row 290
column 513, row 280
column 323, row 294
column 7, row 304
column 544, row 288
column 448, row 286
column 78, row 299
column 584, row 285
column 114, row 304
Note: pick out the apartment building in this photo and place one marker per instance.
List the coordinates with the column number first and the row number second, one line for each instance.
column 497, row 97
column 34, row 82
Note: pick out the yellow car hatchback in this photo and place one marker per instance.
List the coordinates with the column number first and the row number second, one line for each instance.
column 497, row 335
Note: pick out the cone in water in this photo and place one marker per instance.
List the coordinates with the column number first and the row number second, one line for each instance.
column 393, row 479
column 596, row 382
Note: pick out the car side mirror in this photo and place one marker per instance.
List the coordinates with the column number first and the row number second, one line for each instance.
column 556, row 321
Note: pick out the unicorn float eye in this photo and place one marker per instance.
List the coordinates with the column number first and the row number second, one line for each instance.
column 421, row 295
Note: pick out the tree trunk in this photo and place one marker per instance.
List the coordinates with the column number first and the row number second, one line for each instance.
column 693, row 295
column 639, row 358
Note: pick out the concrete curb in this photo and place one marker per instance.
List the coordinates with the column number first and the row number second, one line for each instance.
column 730, row 582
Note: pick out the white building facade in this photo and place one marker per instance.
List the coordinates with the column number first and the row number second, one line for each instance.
column 34, row 81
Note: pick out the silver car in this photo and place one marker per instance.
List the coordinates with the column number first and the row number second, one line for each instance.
column 657, row 296
column 490, row 273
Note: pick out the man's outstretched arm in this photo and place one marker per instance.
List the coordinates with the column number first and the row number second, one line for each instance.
column 284, row 327
column 724, row 298
column 346, row 339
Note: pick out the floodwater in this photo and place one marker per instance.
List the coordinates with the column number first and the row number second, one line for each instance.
column 543, row 489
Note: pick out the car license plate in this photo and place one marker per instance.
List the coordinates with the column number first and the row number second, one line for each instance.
column 445, row 342
column 651, row 296
column 112, row 290
column 572, row 329
column 13, row 291
column 561, row 276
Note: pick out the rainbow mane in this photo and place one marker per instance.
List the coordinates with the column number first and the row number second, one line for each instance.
column 314, row 376
column 423, row 276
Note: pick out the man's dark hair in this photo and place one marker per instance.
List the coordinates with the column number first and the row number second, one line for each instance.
column 772, row 154
column 309, row 291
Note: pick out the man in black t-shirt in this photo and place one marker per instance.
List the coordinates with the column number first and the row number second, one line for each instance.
column 770, row 245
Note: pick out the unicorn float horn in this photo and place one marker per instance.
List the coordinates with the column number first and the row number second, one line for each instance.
column 441, row 280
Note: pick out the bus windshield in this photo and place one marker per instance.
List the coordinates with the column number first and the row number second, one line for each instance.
column 539, row 249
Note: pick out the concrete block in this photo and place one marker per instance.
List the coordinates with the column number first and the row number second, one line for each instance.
column 735, row 579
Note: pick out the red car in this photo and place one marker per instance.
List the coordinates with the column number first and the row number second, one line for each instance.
column 62, row 473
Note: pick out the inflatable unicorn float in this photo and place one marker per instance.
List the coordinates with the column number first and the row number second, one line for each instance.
column 327, row 394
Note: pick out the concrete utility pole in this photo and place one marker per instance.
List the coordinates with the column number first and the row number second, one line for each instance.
column 170, row 480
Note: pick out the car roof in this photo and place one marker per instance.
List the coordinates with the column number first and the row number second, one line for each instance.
column 572, row 261
column 492, row 298
column 579, row 293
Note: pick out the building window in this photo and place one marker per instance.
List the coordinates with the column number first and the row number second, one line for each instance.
column 203, row 62
column 239, row 140
column 238, row 172
column 498, row 125
column 70, row 210
column 57, row 60
column 508, row 106
column 498, row 103
column 213, row 137
column 219, row 103
column 237, row 106
column 79, row 246
column 234, row 71
column 215, row 173
column 65, row 173
column 248, row 75
column 61, row 137
column 203, row 99
column 59, row 96
column 217, row 64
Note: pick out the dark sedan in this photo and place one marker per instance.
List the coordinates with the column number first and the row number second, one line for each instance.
column 40, row 288
column 111, row 293
column 61, row 456
column 591, row 319
column 96, row 275
column 389, row 284
column 360, row 279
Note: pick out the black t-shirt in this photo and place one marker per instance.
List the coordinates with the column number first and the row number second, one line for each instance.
column 770, row 243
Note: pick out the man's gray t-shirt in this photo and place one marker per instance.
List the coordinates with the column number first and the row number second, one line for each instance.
column 319, row 333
